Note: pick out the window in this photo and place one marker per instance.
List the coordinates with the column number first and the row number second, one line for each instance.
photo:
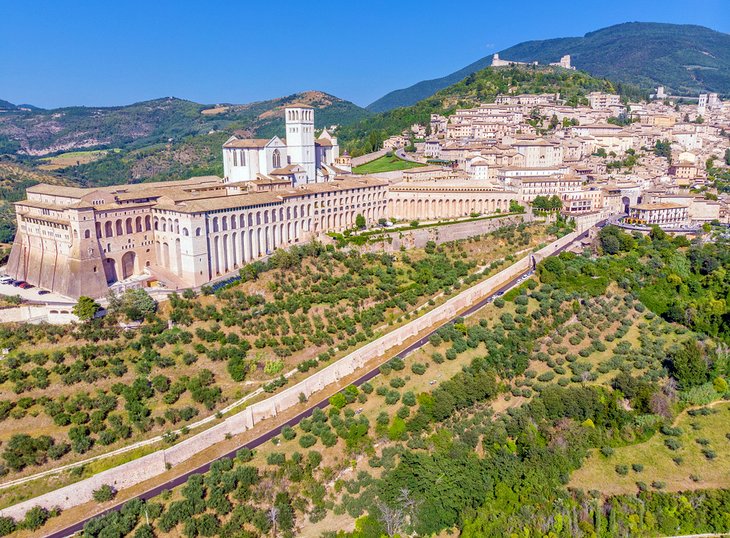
column 235, row 158
column 276, row 159
column 243, row 158
column 87, row 234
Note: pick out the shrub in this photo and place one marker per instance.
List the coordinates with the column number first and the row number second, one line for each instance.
column 607, row 451
column 397, row 382
column 418, row 368
column 622, row 469
column 104, row 494
column 637, row 467
column 307, row 440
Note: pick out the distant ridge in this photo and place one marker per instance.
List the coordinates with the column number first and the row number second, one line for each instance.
column 687, row 59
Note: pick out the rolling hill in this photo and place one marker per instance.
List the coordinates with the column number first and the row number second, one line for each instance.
column 479, row 87
column 687, row 59
column 153, row 140
column 41, row 132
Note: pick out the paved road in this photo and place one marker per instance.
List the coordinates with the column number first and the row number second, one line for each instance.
column 401, row 154
column 177, row 481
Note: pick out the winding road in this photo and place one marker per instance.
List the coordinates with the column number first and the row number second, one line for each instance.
column 267, row 436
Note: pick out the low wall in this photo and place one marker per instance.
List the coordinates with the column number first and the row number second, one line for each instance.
column 418, row 237
column 147, row 467
column 362, row 159
column 57, row 315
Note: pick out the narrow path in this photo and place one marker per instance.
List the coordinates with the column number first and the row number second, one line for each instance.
column 193, row 426
column 267, row 436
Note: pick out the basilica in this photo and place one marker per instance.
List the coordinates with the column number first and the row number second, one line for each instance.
column 275, row 193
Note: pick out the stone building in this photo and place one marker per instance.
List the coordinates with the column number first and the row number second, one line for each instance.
column 665, row 215
column 443, row 199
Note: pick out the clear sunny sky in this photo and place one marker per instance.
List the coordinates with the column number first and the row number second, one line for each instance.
column 112, row 52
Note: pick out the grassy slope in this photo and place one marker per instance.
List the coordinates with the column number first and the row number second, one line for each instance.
column 599, row 471
column 385, row 164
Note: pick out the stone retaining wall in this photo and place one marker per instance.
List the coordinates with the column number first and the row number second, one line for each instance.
column 146, row 467
column 418, row 237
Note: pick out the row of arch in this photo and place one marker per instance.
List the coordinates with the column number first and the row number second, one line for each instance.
column 446, row 208
column 297, row 114
column 228, row 251
column 232, row 248
column 122, row 227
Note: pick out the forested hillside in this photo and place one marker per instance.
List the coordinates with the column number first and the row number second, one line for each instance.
column 686, row 59
column 481, row 432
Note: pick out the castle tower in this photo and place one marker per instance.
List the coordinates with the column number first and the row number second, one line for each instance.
column 300, row 138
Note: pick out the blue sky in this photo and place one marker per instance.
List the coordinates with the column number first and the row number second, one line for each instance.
column 111, row 52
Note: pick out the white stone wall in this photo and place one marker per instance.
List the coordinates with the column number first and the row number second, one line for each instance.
column 153, row 464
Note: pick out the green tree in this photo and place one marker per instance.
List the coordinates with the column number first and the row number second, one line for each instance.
column 86, row 308
column 360, row 221
column 688, row 366
column 137, row 304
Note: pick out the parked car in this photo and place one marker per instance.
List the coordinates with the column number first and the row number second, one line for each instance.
column 17, row 283
column 5, row 280
column 43, row 292
column 25, row 285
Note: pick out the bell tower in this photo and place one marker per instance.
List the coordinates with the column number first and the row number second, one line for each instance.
column 300, row 138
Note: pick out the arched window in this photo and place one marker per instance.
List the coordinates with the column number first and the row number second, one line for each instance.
column 128, row 223
column 276, row 159
column 147, row 223
column 108, row 228
column 185, row 232
column 119, row 227
column 87, row 234
column 197, row 232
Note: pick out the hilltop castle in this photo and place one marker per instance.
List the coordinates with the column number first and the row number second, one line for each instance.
column 564, row 62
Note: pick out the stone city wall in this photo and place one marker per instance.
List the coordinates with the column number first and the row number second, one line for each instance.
column 146, row 467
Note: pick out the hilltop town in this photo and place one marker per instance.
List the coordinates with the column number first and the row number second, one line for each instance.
column 508, row 319
column 648, row 161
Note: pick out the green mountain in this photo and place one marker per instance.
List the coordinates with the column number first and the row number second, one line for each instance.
column 161, row 139
column 686, row 59
column 480, row 87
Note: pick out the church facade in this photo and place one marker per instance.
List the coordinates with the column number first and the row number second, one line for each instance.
column 300, row 157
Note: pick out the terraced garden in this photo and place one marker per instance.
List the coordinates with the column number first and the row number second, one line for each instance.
column 67, row 394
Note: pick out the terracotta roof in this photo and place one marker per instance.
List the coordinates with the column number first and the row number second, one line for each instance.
column 663, row 205
column 251, row 143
